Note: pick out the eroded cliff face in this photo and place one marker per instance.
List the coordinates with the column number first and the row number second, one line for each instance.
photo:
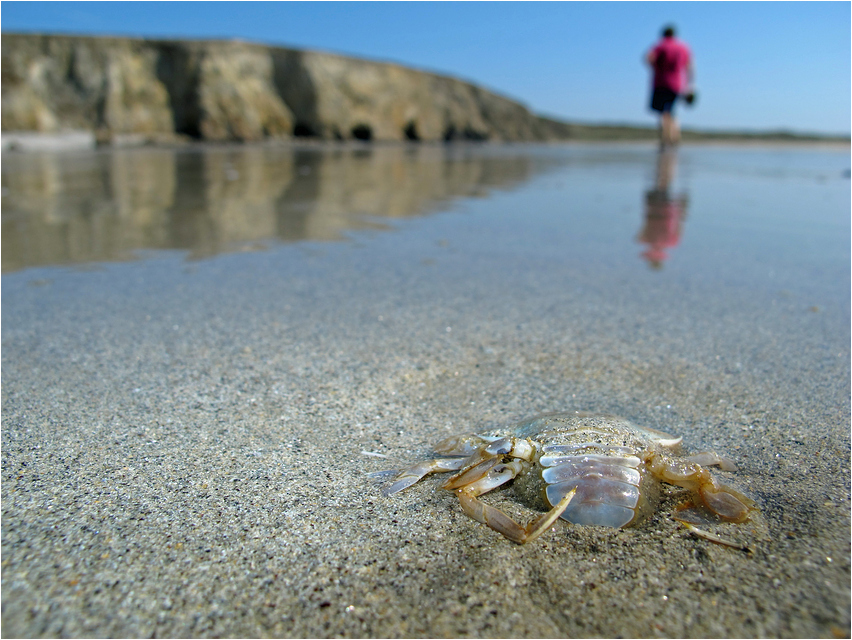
column 55, row 83
column 336, row 97
column 153, row 90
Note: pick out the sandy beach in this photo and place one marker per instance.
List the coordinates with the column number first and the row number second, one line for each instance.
column 187, row 438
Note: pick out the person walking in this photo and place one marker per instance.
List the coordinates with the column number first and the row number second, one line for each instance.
column 674, row 73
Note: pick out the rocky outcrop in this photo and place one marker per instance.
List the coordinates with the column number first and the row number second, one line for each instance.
column 222, row 90
column 123, row 88
column 337, row 97
column 155, row 90
column 107, row 85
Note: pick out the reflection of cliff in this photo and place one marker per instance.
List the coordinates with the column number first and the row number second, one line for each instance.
column 61, row 209
column 125, row 89
column 92, row 208
column 226, row 198
column 342, row 191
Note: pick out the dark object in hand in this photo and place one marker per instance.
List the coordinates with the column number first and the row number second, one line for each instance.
column 690, row 97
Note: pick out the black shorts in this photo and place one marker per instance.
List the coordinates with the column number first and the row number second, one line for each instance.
column 663, row 100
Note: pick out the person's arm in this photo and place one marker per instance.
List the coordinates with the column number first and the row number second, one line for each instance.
column 689, row 71
column 651, row 57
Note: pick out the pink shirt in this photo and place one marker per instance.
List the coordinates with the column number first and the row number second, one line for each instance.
column 671, row 58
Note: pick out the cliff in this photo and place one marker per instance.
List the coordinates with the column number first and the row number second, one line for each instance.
column 125, row 89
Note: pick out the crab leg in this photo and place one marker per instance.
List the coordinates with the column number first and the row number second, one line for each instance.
column 474, row 474
column 409, row 476
column 490, row 475
column 729, row 504
column 712, row 537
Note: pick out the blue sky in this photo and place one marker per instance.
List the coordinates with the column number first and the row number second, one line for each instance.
column 760, row 65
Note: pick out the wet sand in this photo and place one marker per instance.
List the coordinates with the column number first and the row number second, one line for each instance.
column 186, row 443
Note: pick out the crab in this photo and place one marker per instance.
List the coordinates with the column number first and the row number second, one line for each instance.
column 588, row 469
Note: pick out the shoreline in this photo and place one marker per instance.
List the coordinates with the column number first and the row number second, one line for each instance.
column 80, row 140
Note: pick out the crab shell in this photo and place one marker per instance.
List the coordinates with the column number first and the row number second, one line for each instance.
column 604, row 457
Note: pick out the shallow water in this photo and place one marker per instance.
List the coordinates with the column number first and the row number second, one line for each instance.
column 765, row 212
column 89, row 207
column 205, row 351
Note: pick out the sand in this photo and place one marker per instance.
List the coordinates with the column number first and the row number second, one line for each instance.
column 186, row 444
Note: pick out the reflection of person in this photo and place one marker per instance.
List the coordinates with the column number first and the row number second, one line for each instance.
column 671, row 61
column 664, row 213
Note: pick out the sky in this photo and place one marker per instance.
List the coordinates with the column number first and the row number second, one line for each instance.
column 759, row 65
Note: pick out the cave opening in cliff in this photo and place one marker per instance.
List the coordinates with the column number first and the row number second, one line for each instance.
column 362, row 132
column 410, row 132
column 451, row 133
column 472, row 134
column 302, row 130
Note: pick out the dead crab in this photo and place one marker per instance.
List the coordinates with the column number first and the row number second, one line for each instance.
column 584, row 468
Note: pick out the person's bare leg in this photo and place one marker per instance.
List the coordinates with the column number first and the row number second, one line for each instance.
column 666, row 125
column 674, row 130
column 669, row 130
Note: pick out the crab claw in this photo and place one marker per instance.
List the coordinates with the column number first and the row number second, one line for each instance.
column 709, row 459
column 464, row 445
column 503, row 524
column 729, row 504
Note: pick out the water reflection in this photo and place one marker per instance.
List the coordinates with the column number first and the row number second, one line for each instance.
column 108, row 205
column 665, row 212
